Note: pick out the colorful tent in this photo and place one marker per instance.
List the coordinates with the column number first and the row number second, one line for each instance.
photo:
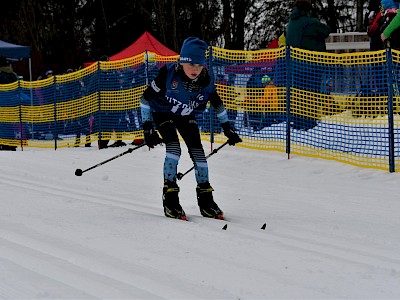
column 273, row 44
column 145, row 42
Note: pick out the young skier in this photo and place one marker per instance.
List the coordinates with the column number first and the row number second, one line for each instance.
column 179, row 91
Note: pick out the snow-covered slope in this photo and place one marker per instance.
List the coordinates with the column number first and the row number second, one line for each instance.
column 332, row 229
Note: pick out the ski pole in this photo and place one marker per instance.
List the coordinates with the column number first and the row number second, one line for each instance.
column 79, row 172
column 180, row 175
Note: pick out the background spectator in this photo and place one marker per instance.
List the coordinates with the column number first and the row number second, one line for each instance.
column 49, row 74
column 382, row 19
column 375, row 42
column 305, row 32
column 7, row 75
column 392, row 30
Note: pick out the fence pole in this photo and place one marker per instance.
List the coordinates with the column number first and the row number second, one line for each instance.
column 146, row 68
column 288, row 84
column 55, row 132
column 99, row 103
column 210, row 67
column 390, row 108
column 20, row 114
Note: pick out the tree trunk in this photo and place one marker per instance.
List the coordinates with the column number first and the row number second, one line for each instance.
column 360, row 16
column 239, row 12
column 226, row 23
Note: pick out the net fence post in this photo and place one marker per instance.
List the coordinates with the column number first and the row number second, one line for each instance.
column 210, row 66
column 390, row 109
column 288, row 85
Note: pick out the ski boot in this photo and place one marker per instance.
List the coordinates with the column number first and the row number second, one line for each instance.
column 172, row 208
column 208, row 208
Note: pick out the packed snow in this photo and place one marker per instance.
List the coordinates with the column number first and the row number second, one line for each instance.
column 332, row 230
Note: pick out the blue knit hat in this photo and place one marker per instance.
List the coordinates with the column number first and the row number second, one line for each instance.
column 387, row 4
column 193, row 51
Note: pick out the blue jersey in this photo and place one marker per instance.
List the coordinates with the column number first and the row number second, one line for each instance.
column 177, row 99
column 169, row 93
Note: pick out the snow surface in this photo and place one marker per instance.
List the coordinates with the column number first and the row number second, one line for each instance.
column 332, row 230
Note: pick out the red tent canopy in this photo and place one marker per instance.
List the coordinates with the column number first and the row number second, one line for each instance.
column 145, row 42
column 273, row 44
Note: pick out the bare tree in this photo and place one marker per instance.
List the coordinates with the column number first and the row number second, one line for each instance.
column 65, row 34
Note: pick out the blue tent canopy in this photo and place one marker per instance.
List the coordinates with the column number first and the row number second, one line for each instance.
column 16, row 52
column 13, row 51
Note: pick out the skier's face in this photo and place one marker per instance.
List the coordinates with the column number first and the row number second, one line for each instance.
column 192, row 70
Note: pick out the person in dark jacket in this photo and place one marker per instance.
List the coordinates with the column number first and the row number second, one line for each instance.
column 254, row 87
column 170, row 102
column 7, row 75
column 304, row 31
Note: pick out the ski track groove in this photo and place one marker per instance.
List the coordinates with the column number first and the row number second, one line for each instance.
column 76, row 195
column 77, row 277
column 69, row 263
column 65, row 266
column 325, row 249
column 7, row 292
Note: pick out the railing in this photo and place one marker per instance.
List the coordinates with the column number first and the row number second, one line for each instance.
column 347, row 42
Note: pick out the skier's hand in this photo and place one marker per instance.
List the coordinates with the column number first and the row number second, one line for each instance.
column 151, row 136
column 233, row 137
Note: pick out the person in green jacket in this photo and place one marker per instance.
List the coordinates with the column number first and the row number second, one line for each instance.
column 392, row 27
column 304, row 31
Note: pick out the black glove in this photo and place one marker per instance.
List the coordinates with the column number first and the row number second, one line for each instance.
column 233, row 137
column 151, row 136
